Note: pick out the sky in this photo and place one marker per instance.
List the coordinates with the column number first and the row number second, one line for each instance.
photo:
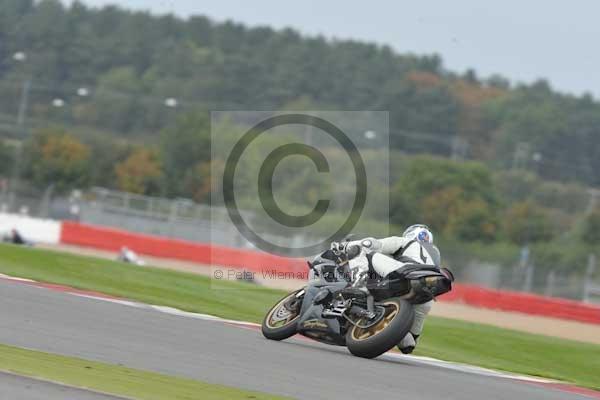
column 522, row 40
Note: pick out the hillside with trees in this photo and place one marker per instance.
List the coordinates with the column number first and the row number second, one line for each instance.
column 130, row 62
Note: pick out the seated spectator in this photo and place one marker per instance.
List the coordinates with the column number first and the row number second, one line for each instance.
column 16, row 238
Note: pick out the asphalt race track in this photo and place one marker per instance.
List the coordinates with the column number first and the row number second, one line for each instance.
column 216, row 352
column 21, row 388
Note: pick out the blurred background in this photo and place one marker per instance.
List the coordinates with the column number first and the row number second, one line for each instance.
column 105, row 119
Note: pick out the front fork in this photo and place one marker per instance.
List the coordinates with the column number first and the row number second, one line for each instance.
column 296, row 302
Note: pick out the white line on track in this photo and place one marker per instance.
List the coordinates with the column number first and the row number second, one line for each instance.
column 13, row 278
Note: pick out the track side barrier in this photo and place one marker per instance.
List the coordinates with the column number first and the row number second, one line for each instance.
column 114, row 239
column 32, row 229
column 526, row 303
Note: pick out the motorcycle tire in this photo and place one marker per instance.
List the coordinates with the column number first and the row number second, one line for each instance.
column 289, row 326
column 376, row 340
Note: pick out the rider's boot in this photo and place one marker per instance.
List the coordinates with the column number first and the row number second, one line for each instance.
column 409, row 342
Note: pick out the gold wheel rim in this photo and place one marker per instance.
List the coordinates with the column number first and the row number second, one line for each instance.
column 282, row 319
column 392, row 310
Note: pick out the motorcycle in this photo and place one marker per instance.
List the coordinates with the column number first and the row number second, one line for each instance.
column 369, row 323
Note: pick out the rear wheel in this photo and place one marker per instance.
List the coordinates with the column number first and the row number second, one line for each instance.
column 282, row 319
column 375, row 340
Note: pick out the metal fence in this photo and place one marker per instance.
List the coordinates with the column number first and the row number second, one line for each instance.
column 553, row 282
column 178, row 218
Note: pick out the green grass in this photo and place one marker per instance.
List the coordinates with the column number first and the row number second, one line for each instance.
column 446, row 339
column 510, row 350
column 113, row 379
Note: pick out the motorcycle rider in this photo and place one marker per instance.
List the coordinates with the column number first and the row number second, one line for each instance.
column 415, row 246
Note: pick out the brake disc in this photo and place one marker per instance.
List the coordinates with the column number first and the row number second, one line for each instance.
column 281, row 314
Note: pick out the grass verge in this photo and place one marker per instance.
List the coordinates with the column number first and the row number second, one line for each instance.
column 446, row 339
column 509, row 350
column 187, row 291
column 113, row 379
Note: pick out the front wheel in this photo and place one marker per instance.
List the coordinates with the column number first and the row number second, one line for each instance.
column 377, row 339
column 281, row 320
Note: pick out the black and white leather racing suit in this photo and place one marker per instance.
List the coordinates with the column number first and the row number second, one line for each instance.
column 380, row 252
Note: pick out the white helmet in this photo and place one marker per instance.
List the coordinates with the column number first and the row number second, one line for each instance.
column 419, row 232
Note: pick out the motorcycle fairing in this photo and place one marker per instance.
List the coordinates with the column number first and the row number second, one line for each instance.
column 311, row 322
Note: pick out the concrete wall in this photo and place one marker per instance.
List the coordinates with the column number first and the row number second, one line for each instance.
column 32, row 229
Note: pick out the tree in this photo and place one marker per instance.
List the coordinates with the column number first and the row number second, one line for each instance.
column 455, row 198
column 473, row 221
column 451, row 212
column 198, row 181
column 140, row 172
column 527, row 223
column 56, row 157
column 105, row 155
column 439, row 207
column 426, row 175
column 182, row 148
column 472, row 98
column 6, row 159
column 591, row 228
